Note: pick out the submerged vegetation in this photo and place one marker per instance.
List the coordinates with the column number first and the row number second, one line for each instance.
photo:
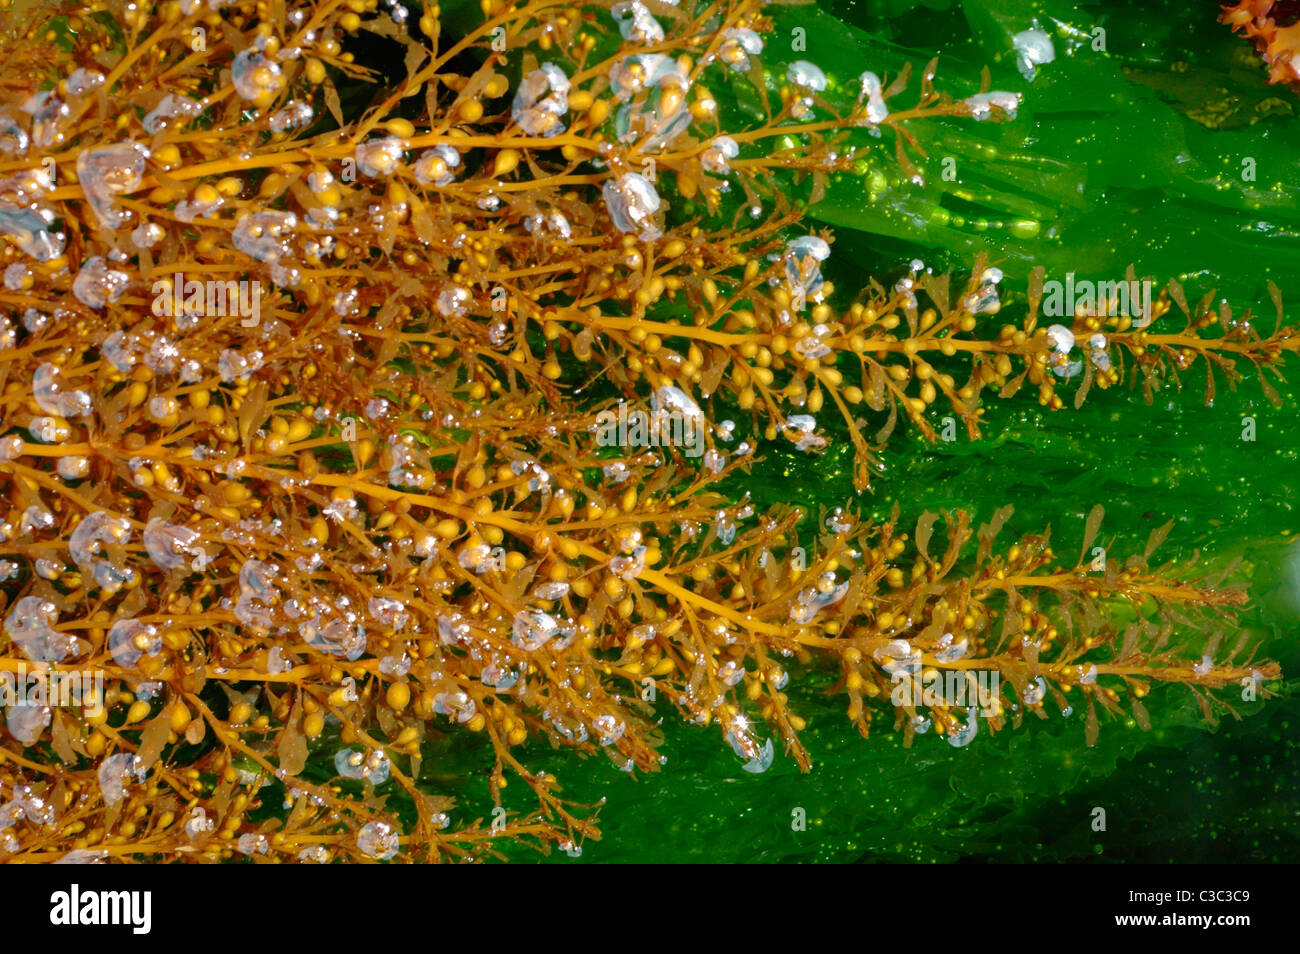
column 300, row 412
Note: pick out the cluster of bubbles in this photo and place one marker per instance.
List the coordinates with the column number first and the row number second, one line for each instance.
column 24, row 805
column 827, row 591
column 372, row 765
column 1062, row 342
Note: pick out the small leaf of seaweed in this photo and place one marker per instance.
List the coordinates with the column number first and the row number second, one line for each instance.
column 1157, row 537
column 924, row 529
column 1090, row 529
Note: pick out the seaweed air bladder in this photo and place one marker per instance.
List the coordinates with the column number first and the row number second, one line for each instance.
column 310, row 538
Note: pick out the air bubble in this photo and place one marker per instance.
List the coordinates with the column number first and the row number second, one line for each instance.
column 961, row 735
column 96, row 285
column 13, row 138
column 116, row 773
column 541, row 100
column 635, row 22
column 30, row 624
column 380, row 158
column 29, row 231
column 632, row 201
column 147, row 235
column 84, row 544
column 378, row 840
column 982, row 104
column 533, row 629
column 1035, row 691
column 265, row 235
column 877, row 110
column 171, row 106
column 52, row 399
column 738, row 45
column 373, row 766
column 27, row 723
column 294, row 115
column 255, row 77
column 111, row 171
column 1033, row 48
column 717, row 157
column 166, row 543
column 130, row 639
column 434, row 167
